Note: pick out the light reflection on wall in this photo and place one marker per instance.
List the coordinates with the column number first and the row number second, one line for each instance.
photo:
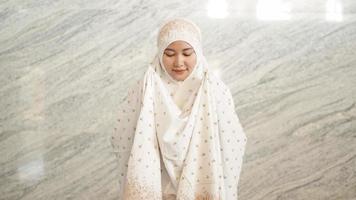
column 31, row 172
column 215, row 67
column 217, row 9
column 272, row 10
column 217, row 73
column 30, row 169
column 333, row 10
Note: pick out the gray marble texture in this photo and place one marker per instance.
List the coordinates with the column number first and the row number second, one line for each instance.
column 66, row 66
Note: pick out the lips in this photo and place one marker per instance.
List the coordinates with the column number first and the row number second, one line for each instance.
column 179, row 70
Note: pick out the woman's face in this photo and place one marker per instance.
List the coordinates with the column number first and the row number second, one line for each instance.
column 179, row 59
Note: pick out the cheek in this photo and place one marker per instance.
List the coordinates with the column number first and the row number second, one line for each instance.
column 191, row 62
column 167, row 62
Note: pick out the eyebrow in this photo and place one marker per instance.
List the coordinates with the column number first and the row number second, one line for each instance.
column 183, row 49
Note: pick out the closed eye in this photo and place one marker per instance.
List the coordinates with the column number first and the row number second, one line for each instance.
column 185, row 54
column 169, row 55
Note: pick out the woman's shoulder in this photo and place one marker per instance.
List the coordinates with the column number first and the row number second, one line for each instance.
column 217, row 82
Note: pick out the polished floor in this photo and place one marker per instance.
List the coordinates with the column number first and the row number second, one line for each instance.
column 66, row 66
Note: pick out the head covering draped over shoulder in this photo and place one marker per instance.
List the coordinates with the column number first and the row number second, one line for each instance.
column 179, row 139
column 183, row 30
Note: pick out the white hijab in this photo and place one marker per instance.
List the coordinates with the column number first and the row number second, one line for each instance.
column 184, row 132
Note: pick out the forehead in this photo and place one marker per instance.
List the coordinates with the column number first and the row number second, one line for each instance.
column 179, row 45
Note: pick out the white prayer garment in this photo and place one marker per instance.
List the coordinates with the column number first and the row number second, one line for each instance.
column 179, row 139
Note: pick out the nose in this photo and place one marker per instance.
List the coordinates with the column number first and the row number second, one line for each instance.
column 179, row 61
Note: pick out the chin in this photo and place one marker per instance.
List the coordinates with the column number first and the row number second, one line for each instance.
column 180, row 78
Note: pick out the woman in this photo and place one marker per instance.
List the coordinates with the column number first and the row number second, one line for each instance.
column 178, row 136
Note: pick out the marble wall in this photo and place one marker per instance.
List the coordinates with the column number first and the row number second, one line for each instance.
column 66, row 66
